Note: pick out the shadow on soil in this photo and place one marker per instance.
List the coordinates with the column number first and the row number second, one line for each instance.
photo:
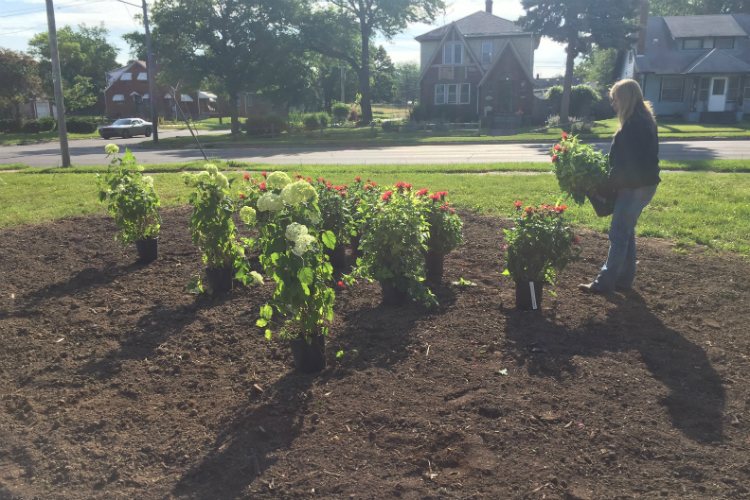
column 696, row 400
column 260, row 431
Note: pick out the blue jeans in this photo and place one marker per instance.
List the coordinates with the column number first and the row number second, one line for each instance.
column 619, row 270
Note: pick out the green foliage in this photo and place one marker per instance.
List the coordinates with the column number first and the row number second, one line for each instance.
column 47, row 124
column 81, row 124
column 598, row 66
column 311, row 121
column 580, row 96
column 445, row 225
column 211, row 225
column 31, row 127
column 579, row 168
column 130, row 198
column 382, row 87
column 79, row 95
column 363, row 198
column 540, row 245
column 292, row 240
column 333, row 202
column 263, row 124
column 19, row 74
column 340, row 111
column 406, row 79
column 394, row 243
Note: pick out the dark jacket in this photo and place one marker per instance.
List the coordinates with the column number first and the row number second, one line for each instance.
column 634, row 157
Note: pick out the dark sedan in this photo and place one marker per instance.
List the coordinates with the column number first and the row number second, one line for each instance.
column 126, row 127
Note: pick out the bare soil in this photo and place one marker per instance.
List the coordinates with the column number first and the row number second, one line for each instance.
column 117, row 384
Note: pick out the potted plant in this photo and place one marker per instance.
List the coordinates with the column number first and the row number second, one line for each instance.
column 334, row 210
column 539, row 247
column 133, row 203
column 363, row 199
column 580, row 169
column 445, row 231
column 213, row 230
column 292, row 254
column 393, row 246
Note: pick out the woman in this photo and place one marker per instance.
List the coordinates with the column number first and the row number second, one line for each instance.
column 633, row 179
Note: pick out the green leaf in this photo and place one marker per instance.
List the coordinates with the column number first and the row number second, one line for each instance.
column 339, row 354
column 266, row 312
column 329, row 239
column 269, row 334
column 261, row 323
column 503, row 372
column 506, row 273
column 305, row 276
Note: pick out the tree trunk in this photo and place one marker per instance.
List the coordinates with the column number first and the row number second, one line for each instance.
column 568, row 83
column 364, row 77
column 234, row 111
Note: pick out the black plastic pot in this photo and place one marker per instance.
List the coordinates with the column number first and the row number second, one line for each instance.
column 604, row 207
column 394, row 297
column 337, row 256
column 434, row 266
column 148, row 250
column 309, row 358
column 220, row 278
column 525, row 301
column 356, row 252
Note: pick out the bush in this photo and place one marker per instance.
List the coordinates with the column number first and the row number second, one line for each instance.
column 31, row 127
column 450, row 114
column 390, row 126
column 580, row 97
column 324, row 119
column 340, row 111
column 264, row 124
column 82, row 124
column 311, row 121
column 48, row 123
column 553, row 121
column 10, row 126
column 353, row 116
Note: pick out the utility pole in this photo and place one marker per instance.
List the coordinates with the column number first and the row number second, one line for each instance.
column 57, row 77
column 343, row 81
column 151, row 85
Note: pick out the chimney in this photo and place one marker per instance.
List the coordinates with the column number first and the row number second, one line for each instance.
column 488, row 3
column 643, row 20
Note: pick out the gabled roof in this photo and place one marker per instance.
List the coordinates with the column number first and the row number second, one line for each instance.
column 461, row 38
column 696, row 26
column 506, row 46
column 478, row 24
column 717, row 61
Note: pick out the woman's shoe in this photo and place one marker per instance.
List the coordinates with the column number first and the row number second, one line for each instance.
column 589, row 288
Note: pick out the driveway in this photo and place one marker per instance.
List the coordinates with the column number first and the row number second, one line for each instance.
column 91, row 152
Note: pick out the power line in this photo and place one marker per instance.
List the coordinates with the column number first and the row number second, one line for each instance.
column 74, row 3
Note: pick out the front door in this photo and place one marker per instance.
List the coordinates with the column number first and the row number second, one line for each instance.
column 505, row 97
column 718, row 98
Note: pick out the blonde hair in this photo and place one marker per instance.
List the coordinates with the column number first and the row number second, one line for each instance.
column 628, row 96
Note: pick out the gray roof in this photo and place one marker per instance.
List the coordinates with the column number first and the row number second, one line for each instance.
column 695, row 26
column 478, row 24
column 664, row 57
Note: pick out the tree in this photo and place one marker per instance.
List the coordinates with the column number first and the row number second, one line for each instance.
column 79, row 95
column 580, row 24
column 239, row 45
column 598, row 66
column 85, row 52
column 137, row 43
column 345, row 29
column 383, row 72
column 698, row 7
column 20, row 77
column 407, row 81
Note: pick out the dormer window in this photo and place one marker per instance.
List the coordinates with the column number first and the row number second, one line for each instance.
column 453, row 53
column 708, row 43
column 724, row 43
column 692, row 43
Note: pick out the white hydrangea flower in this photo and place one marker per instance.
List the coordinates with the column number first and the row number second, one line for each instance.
column 298, row 192
column 148, row 180
column 270, row 202
column 190, row 179
column 257, row 279
column 248, row 215
column 295, row 230
column 211, row 169
column 302, row 244
column 112, row 149
column 203, row 177
column 120, row 188
column 222, row 181
column 315, row 219
column 139, row 168
column 277, row 180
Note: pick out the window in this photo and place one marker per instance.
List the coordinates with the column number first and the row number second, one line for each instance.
column 708, row 43
column 486, row 52
column 453, row 93
column 719, row 84
column 453, row 53
column 724, row 43
column 249, row 99
column 692, row 43
column 747, row 88
column 703, row 89
column 671, row 89
column 733, row 89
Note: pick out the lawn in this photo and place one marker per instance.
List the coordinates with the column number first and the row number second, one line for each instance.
column 690, row 208
column 207, row 124
column 10, row 139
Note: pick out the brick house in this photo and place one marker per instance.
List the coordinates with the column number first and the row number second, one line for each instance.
column 480, row 65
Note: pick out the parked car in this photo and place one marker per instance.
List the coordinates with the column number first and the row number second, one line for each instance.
column 126, row 127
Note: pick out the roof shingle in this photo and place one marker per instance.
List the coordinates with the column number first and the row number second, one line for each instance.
column 478, row 24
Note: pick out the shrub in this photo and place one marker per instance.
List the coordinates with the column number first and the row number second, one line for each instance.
column 48, row 123
column 10, row 126
column 130, row 197
column 340, row 111
column 579, row 168
column 82, row 124
column 445, row 225
column 580, row 96
column 31, row 127
column 324, row 119
column 353, row 116
column 363, row 200
column 334, row 209
column 553, row 121
column 311, row 121
column 390, row 126
column 451, row 114
column 264, row 124
column 540, row 245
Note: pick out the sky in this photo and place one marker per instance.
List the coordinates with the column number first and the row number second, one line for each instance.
column 21, row 19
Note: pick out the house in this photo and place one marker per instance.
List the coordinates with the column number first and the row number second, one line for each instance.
column 481, row 65
column 696, row 67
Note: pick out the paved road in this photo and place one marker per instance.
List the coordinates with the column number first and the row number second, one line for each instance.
column 91, row 152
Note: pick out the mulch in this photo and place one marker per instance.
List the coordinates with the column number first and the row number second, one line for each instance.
column 115, row 383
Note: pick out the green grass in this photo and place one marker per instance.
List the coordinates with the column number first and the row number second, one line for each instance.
column 690, row 208
column 10, row 139
column 207, row 124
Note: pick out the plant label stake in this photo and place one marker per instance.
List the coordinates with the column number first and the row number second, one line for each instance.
column 533, row 295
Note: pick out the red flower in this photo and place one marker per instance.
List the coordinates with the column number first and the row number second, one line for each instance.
column 528, row 210
column 309, row 180
column 343, row 193
column 386, row 196
column 247, row 177
column 242, row 196
column 565, row 148
column 423, row 192
column 320, row 179
column 357, row 179
column 576, row 240
column 557, row 147
column 262, row 186
column 408, row 186
column 563, row 208
column 453, row 210
column 565, row 135
column 518, row 204
column 373, row 184
column 296, row 175
column 328, row 185
column 554, row 159
column 367, row 187
column 264, row 174
column 341, row 284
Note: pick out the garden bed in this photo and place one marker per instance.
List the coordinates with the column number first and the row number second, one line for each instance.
column 116, row 383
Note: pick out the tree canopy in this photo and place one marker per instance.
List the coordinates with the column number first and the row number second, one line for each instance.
column 698, row 7
column 407, row 82
column 21, row 82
